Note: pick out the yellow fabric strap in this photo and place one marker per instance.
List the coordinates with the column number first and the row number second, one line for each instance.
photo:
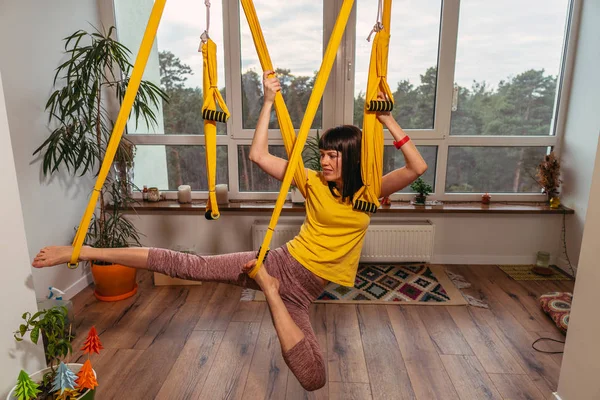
column 283, row 116
column 309, row 115
column 212, row 96
column 372, row 138
column 117, row 133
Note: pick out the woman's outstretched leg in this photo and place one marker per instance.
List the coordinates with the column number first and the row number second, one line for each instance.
column 136, row 257
column 227, row 268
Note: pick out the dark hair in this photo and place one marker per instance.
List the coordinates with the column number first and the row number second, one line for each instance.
column 347, row 140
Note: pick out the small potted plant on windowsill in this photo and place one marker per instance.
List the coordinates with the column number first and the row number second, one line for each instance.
column 423, row 189
column 72, row 380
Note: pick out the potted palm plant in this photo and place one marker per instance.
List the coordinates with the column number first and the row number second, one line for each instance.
column 54, row 327
column 95, row 73
column 423, row 189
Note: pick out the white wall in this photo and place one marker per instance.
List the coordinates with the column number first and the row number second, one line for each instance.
column 31, row 34
column 460, row 238
column 581, row 363
column 17, row 294
column 581, row 131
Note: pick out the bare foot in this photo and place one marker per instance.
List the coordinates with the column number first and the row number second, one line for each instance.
column 268, row 284
column 54, row 255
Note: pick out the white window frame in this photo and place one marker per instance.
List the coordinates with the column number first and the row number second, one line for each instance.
column 341, row 88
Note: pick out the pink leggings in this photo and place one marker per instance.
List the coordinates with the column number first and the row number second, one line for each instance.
column 298, row 289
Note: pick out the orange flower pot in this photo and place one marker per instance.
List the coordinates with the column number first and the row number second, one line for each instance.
column 114, row 282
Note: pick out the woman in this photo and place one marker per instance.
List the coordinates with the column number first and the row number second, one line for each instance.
column 293, row 276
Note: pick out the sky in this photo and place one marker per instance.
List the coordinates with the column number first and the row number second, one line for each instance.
column 496, row 39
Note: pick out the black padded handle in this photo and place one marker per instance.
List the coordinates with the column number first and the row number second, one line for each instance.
column 380, row 105
column 364, row 206
column 213, row 115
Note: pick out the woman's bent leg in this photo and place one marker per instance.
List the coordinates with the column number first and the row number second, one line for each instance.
column 305, row 359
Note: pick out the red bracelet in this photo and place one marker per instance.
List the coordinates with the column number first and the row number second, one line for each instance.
column 401, row 142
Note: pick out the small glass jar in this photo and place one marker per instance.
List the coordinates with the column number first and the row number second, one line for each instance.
column 153, row 194
column 543, row 259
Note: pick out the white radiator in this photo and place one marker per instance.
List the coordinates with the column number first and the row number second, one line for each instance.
column 402, row 241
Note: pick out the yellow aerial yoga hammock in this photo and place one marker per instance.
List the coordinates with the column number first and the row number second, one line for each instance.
column 367, row 198
column 117, row 133
column 211, row 116
column 371, row 162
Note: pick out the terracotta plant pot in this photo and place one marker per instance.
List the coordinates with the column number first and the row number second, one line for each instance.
column 37, row 377
column 114, row 282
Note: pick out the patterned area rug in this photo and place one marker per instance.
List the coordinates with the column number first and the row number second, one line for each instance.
column 384, row 283
column 419, row 284
column 524, row 273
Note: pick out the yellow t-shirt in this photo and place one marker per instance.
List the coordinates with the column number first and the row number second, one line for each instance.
column 332, row 235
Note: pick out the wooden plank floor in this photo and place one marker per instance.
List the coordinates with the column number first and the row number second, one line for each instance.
column 200, row 342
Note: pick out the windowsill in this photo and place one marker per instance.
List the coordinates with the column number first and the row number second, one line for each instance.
column 397, row 207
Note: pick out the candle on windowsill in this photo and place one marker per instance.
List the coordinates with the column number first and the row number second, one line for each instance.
column 184, row 194
column 222, row 194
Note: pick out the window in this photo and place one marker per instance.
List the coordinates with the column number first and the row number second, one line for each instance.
column 477, row 86
column 293, row 32
column 412, row 64
column 393, row 159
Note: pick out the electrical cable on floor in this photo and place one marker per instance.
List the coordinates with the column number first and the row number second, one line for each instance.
column 571, row 269
column 564, row 244
column 544, row 351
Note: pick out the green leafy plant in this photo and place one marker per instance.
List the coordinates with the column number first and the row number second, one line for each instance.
column 310, row 154
column 53, row 327
column 95, row 74
column 422, row 188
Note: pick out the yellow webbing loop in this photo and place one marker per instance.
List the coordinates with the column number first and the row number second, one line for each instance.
column 117, row 133
column 311, row 110
column 372, row 138
column 212, row 96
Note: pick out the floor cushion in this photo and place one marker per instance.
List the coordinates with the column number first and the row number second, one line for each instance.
column 558, row 306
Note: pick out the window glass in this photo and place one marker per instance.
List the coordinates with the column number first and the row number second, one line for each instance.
column 412, row 63
column 254, row 179
column 167, row 167
column 176, row 66
column 507, row 64
column 493, row 169
column 293, row 31
column 394, row 159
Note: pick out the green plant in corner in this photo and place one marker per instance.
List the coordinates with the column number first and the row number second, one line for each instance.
column 96, row 73
column 422, row 188
column 53, row 327
column 312, row 160
column 310, row 154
